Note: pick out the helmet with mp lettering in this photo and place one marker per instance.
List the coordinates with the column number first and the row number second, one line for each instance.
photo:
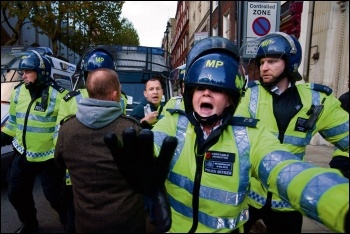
column 32, row 60
column 214, row 62
column 94, row 59
column 284, row 46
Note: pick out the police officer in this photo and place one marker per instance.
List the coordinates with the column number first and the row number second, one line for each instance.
column 34, row 107
column 94, row 58
column 91, row 60
column 294, row 113
column 217, row 154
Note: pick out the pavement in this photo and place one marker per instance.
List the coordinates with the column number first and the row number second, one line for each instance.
column 49, row 223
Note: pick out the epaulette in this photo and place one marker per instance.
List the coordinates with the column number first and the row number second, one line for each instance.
column 172, row 111
column 321, row 88
column 65, row 119
column 22, row 82
column 243, row 121
column 57, row 87
column 70, row 95
column 177, row 97
column 252, row 83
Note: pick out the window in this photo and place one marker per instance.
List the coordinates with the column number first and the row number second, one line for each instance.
column 215, row 4
column 215, row 30
column 226, row 26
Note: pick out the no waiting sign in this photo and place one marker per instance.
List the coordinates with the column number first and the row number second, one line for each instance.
column 261, row 18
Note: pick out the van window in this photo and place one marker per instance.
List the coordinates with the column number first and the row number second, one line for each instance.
column 9, row 79
column 63, row 81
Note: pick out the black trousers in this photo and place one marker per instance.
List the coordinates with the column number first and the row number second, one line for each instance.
column 275, row 221
column 21, row 178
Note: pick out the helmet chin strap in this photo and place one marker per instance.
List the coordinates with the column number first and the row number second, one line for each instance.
column 210, row 120
column 31, row 85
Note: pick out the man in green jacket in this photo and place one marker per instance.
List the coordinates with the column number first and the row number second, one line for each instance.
column 218, row 154
column 294, row 113
column 33, row 111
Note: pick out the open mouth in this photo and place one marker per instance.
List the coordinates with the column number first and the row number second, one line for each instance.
column 206, row 106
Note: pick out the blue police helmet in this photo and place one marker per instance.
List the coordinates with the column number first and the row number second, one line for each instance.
column 93, row 59
column 281, row 45
column 32, row 60
column 209, row 44
column 216, row 68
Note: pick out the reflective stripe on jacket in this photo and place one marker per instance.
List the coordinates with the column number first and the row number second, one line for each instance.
column 226, row 169
column 33, row 125
column 332, row 124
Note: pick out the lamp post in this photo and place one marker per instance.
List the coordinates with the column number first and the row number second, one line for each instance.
column 168, row 26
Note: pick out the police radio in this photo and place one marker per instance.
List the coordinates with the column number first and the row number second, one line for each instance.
column 314, row 112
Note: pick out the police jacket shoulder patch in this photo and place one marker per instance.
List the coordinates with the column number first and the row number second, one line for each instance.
column 243, row 121
column 22, row 82
column 321, row 88
column 57, row 87
column 71, row 94
column 179, row 111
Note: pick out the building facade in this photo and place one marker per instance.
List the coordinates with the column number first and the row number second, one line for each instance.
column 322, row 28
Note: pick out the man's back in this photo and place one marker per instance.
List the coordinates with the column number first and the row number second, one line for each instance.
column 104, row 201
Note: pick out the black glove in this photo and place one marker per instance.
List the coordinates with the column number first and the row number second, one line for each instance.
column 5, row 139
column 341, row 163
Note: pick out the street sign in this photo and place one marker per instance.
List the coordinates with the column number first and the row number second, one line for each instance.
column 251, row 48
column 261, row 26
column 259, row 19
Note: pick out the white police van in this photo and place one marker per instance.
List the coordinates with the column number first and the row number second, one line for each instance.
column 62, row 72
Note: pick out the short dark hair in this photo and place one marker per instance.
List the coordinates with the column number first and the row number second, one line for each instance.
column 155, row 78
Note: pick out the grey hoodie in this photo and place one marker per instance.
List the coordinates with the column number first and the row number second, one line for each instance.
column 94, row 113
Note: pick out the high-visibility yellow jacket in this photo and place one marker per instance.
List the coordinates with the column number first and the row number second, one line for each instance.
column 332, row 124
column 173, row 103
column 33, row 125
column 210, row 180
